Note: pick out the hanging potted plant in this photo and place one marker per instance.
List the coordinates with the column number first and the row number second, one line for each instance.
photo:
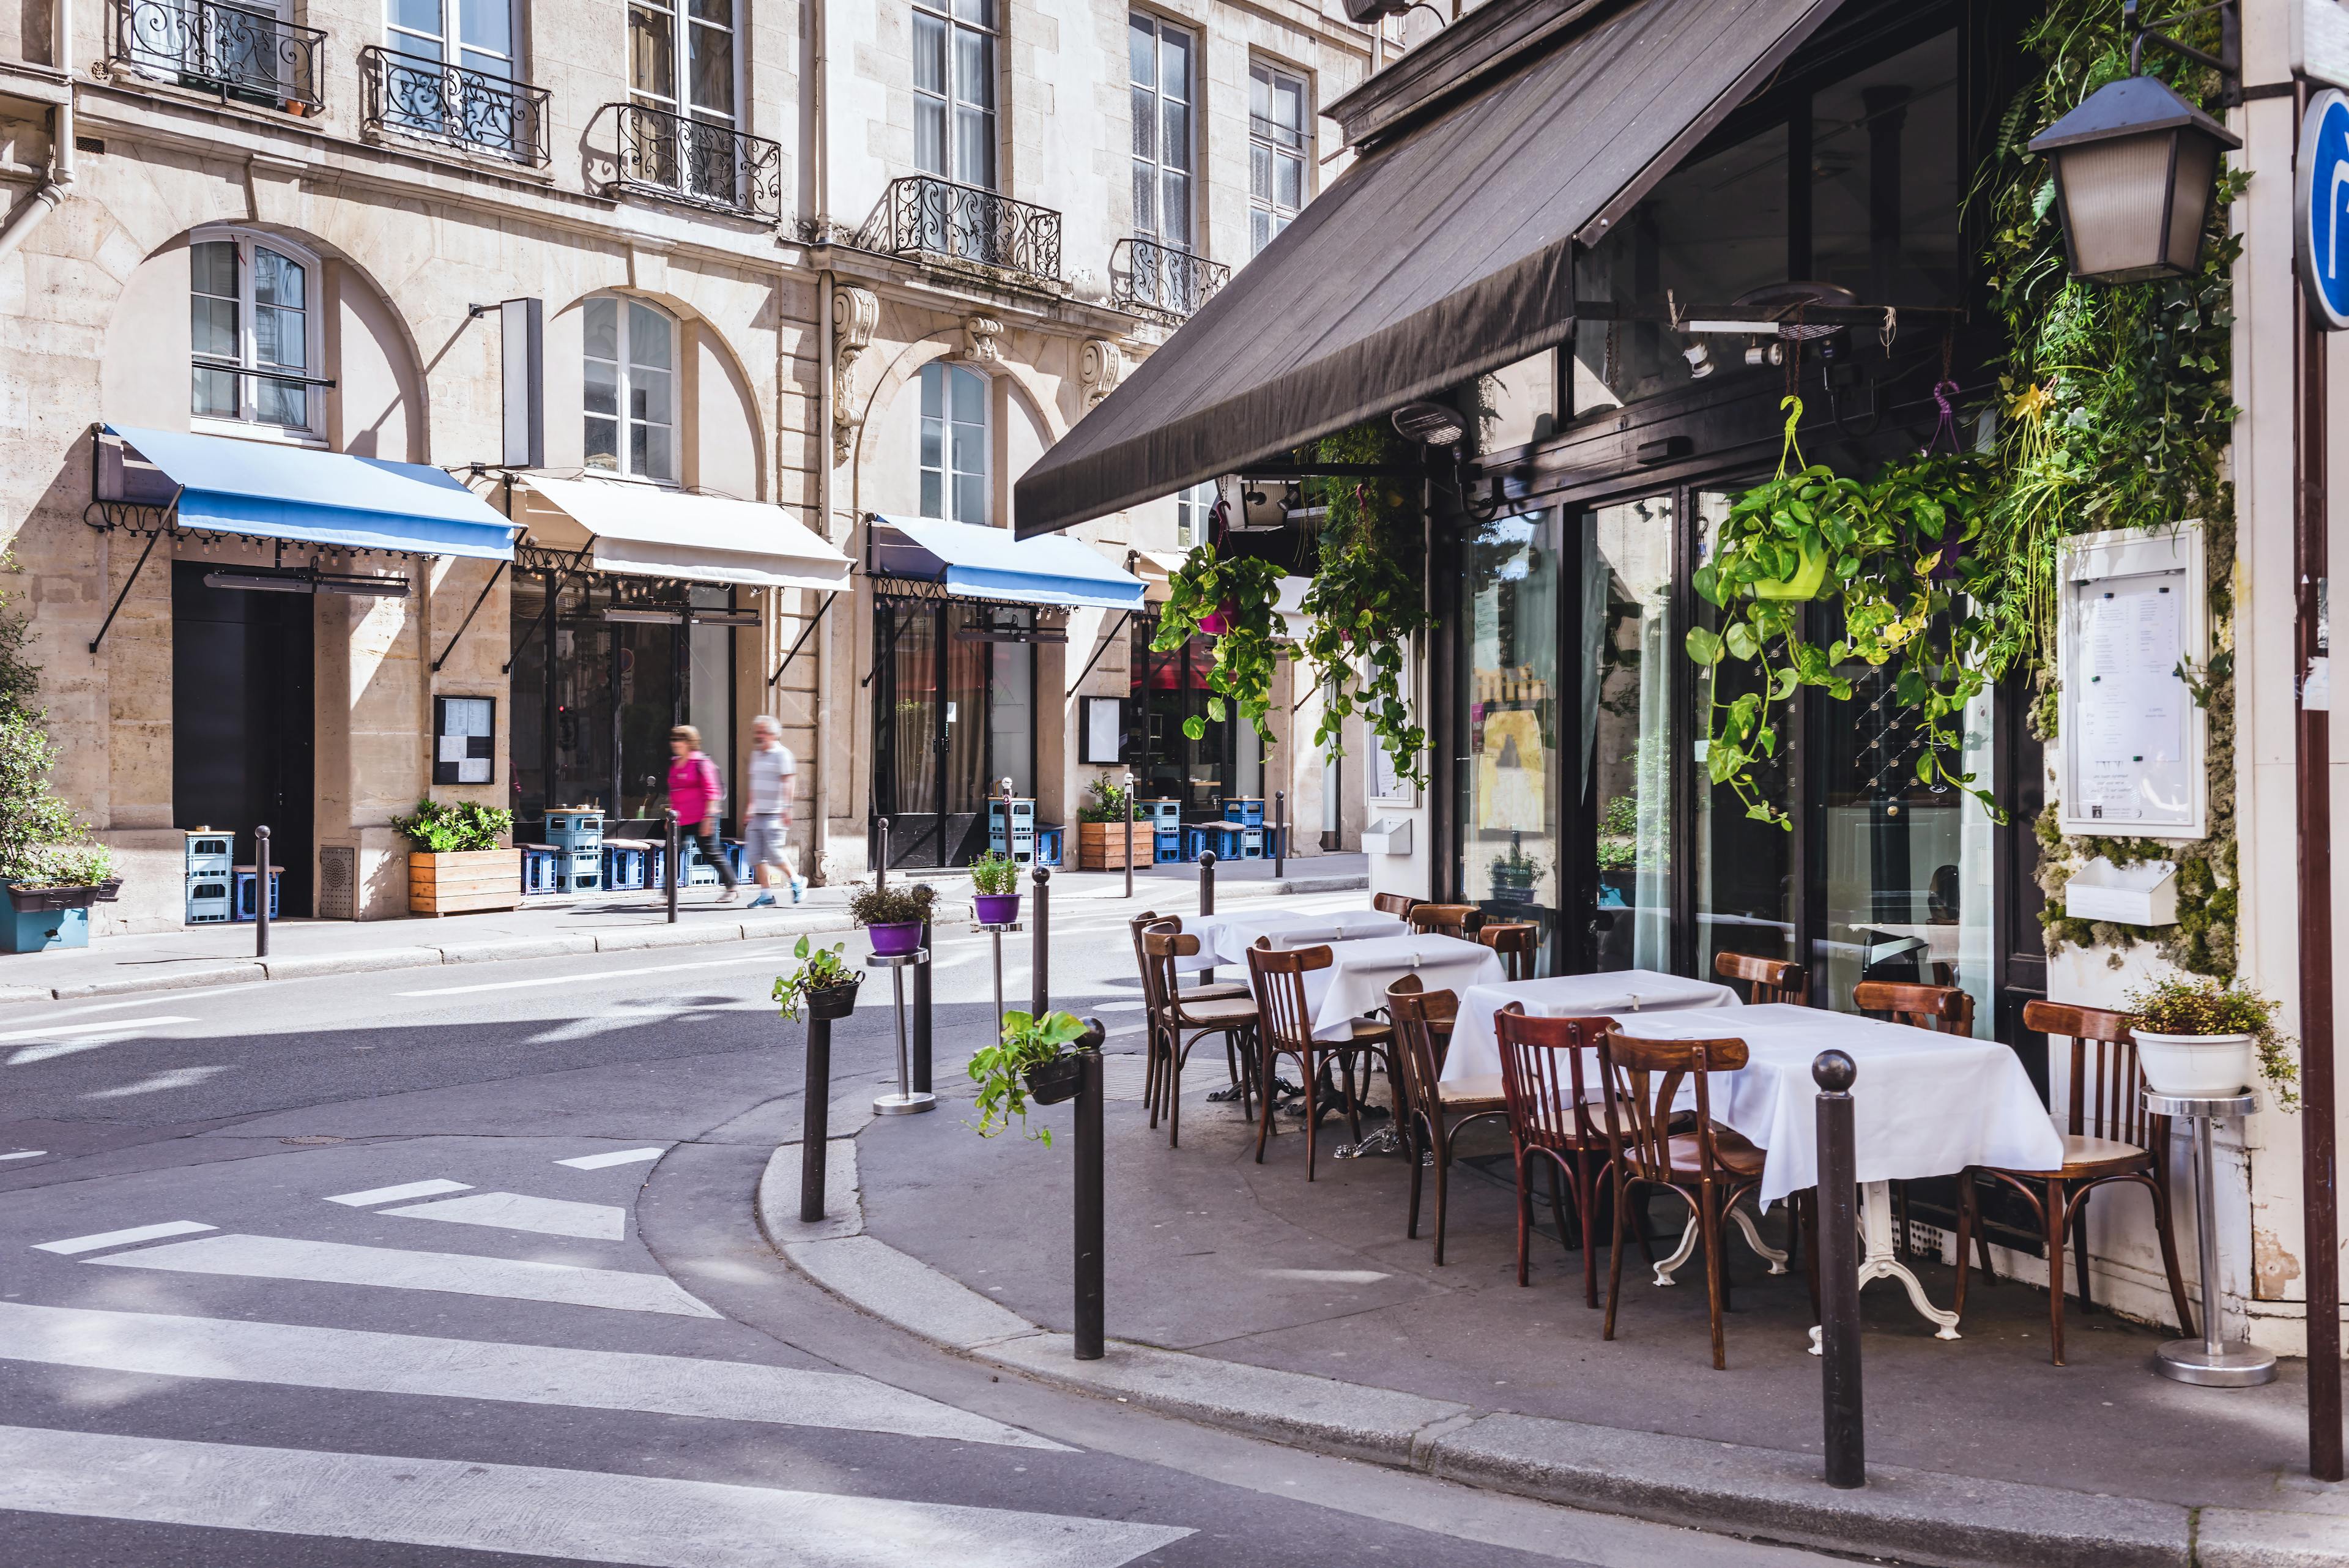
column 459, row 859
column 1029, row 1064
column 995, row 889
column 893, row 917
column 823, row 982
column 2206, row 1039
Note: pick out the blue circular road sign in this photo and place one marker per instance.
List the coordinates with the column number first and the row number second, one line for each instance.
column 2321, row 185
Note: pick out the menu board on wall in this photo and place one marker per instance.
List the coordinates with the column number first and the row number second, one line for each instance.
column 2129, row 734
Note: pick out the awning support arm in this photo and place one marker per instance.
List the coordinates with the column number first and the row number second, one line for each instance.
column 125, row 590
column 554, row 593
column 898, row 624
column 469, row 617
column 804, row 632
column 1122, row 616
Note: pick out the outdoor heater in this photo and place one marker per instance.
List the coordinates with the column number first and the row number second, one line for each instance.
column 2135, row 167
column 305, row 580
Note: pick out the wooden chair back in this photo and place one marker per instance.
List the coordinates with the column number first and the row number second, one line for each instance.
column 1163, row 980
column 1277, row 978
column 1142, row 925
column 1399, row 904
column 1766, row 979
column 1544, row 1077
column 2107, row 1084
column 1644, row 1079
column 1515, row 941
column 1445, row 920
column 1943, row 1008
column 1420, row 1017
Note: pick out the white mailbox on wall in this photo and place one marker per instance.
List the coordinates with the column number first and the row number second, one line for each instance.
column 2132, row 624
column 1387, row 835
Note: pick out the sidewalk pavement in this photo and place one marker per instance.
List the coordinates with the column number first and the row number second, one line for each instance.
column 1241, row 1296
column 550, row 928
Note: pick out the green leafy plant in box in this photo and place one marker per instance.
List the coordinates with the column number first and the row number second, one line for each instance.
column 454, row 829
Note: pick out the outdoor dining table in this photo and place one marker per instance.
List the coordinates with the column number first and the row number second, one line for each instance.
column 1225, row 939
column 1615, row 994
column 1360, row 972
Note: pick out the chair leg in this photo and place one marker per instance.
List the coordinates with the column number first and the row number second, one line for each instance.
column 1264, row 1102
column 1586, row 1182
column 1174, row 1093
column 2161, row 1223
column 1313, row 1115
column 1715, row 1286
column 1806, row 1219
column 1411, row 1152
column 1969, row 1192
column 2053, row 1229
column 2080, row 1249
column 1615, row 1252
column 1354, row 1101
column 1442, row 1195
column 1525, row 1217
column 1557, row 1201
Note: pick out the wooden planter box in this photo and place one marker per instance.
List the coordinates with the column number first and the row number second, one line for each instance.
column 1101, row 846
column 466, row 880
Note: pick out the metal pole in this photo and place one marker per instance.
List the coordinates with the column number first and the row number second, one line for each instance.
column 2214, row 1342
column 922, row 1017
column 1208, row 899
column 1280, row 833
column 261, row 892
column 815, row 1119
column 675, row 863
column 997, row 934
column 881, row 867
column 1838, row 1261
column 1040, row 1001
column 1090, row 1238
column 1129, row 836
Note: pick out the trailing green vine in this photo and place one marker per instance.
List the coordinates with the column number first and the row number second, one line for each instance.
column 1234, row 603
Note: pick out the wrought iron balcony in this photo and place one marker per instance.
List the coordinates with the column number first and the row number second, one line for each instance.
column 243, row 54
column 701, row 163
column 411, row 95
column 1154, row 280
column 924, row 216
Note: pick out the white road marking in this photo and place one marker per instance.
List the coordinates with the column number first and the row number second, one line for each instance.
column 586, row 979
column 102, row 1026
column 611, row 1158
column 72, row 1244
column 177, row 1078
column 1326, row 1276
column 394, row 1267
column 374, row 1195
column 83, row 1037
column 175, row 1347
column 583, row 1516
column 32, row 1153
column 521, row 1212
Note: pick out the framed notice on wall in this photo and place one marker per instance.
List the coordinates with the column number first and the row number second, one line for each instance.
column 1383, row 779
column 2133, row 624
column 464, row 740
column 1104, row 731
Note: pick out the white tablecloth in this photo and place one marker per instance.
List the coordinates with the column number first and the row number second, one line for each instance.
column 1360, row 972
column 1923, row 1104
column 1225, row 939
column 1617, row 993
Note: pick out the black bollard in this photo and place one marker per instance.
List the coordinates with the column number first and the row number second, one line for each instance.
column 675, row 863
column 815, row 1116
column 1129, row 836
column 1091, row 1236
column 1280, row 833
column 1839, row 1262
column 881, row 867
column 1039, row 989
column 1207, row 900
column 921, row 1069
column 261, row 892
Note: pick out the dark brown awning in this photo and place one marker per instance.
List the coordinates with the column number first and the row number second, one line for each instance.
column 1445, row 252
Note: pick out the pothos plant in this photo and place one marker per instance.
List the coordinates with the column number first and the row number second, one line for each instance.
column 1233, row 601
column 1892, row 549
column 820, row 968
column 1000, row 1069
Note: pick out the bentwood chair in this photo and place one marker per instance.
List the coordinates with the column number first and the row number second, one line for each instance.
column 1768, row 980
column 1515, row 941
column 1181, row 1021
column 1396, row 904
column 1708, row 1167
column 2111, row 1138
column 1430, row 1112
column 1944, row 1009
column 1153, row 1012
column 1149, row 920
column 1446, row 919
column 1285, row 1028
column 1550, row 1122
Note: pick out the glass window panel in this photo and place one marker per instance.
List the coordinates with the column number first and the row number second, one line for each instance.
column 276, row 280
column 212, row 324
column 652, row 52
column 1260, row 172
column 1289, row 102
column 1142, row 46
column 215, row 395
column 934, row 396
column 929, row 54
column 970, row 498
column 1174, row 64
column 1176, row 228
column 1177, row 142
column 281, row 403
column 417, row 15
column 602, row 328
column 1259, row 92
column 932, row 443
column 486, row 122
column 1145, row 199
column 974, row 68
column 1523, row 403
column 969, row 396
column 1289, row 183
column 1884, row 189
column 930, row 136
column 718, row 11
column 933, row 493
column 649, row 336
column 1146, row 123
column 1510, row 841
column 648, row 395
column 975, row 148
column 978, row 12
column 425, row 49
column 649, row 446
column 488, row 25
column 713, row 70
column 214, row 267
column 1628, row 726
column 1744, row 868
column 1259, row 230
column 277, row 337
column 969, row 449
column 602, row 392
column 603, row 444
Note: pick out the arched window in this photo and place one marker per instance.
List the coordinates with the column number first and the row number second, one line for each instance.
column 253, row 332
column 953, row 443
column 630, row 375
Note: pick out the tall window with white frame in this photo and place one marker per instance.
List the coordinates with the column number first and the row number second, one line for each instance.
column 954, row 90
column 252, row 312
column 954, row 443
column 1160, row 56
column 630, row 381
column 1277, row 151
column 1193, row 510
column 681, row 63
column 474, row 35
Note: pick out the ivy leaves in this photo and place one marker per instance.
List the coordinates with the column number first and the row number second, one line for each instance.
column 1238, row 597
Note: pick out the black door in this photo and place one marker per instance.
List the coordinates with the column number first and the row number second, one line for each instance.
column 243, row 724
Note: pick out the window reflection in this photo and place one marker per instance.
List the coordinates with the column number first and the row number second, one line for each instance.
column 1627, row 699
column 1745, row 867
column 1511, row 839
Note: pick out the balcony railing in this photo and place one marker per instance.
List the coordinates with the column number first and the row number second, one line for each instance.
column 700, row 163
column 245, row 55
column 411, row 95
column 1154, row 280
column 924, row 215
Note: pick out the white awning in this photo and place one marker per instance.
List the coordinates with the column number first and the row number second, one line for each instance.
column 1156, row 569
column 976, row 562
column 646, row 532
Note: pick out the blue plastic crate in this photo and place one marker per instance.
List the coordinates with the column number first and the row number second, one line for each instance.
column 1167, row 815
column 579, row 870
column 737, row 854
column 247, row 878
column 625, row 865
column 1049, row 842
column 1248, row 811
column 211, row 853
column 574, row 829
column 1166, row 848
column 210, row 899
column 538, row 870
column 1251, row 843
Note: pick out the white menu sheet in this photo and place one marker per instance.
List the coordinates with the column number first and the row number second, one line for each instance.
column 2128, row 717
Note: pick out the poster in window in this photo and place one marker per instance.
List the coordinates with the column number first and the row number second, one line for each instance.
column 2131, row 637
column 1105, row 730
column 464, row 740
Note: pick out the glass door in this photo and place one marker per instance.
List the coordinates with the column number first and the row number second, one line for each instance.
column 1628, row 649
column 1511, row 843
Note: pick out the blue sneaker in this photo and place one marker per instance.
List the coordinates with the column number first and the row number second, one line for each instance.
column 798, row 888
column 764, row 901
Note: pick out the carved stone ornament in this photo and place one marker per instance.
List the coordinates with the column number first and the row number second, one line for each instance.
column 856, row 312
column 1101, row 365
column 979, row 333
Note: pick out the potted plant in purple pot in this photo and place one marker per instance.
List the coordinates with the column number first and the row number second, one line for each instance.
column 893, row 917
column 995, row 889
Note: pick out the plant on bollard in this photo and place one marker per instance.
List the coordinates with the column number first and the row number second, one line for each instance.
column 995, row 887
column 822, row 980
column 2201, row 1038
column 893, row 917
column 1027, row 1064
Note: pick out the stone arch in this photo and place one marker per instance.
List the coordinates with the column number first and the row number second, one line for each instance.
column 717, row 453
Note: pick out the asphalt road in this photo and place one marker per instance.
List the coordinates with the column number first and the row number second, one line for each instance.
column 458, row 1267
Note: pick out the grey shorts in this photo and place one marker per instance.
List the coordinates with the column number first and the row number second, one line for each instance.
column 763, row 838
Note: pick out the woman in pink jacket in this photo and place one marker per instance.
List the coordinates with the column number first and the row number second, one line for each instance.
column 695, row 791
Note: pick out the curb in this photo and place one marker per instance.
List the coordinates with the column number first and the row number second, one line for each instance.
column 1926, row 1517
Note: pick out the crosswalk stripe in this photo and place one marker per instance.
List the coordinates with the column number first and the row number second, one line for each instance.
column 536, row 1511
column 521, row 1212
column 615, row 1156
column 393, row 1268
column 102, row 1026
column 24, row 1154
column 374, row 1195
column 307, row 1357
column 73, row 1245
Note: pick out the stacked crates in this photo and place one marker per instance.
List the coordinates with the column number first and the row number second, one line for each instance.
column 1017, row 837
column 628, row 863
column 212, row 869
column 577, row 836
column 1165, row 818
column 248, row 881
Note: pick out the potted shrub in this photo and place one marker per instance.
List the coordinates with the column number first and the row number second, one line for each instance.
column 1029, row 1064
column 995, row 888
column 1101, row 830
column 457, row 861
column 2207, row 1039
column 1514, row 875
column 823, row 982
column 893, row 917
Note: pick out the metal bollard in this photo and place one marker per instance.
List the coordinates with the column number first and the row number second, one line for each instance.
column 1838, row 1263
column 1208, row 899
column 1039, row 989
column 1280, row 833
column 921, row 1069
column 261, row 885
column 1090, row 1210
column 676, row 864
column 815, row 1119
column 881, row 867
column 1129, row 836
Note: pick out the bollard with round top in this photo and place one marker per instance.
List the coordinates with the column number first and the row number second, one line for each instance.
column 1040, row 989
column 1208, row 899
column 1838, row 1253
column 1091, row 1226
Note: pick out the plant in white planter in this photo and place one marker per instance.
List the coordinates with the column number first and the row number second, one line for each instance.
column 2201, row 1038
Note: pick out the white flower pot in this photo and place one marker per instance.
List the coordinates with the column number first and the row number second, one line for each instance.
column 2196, row 1067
